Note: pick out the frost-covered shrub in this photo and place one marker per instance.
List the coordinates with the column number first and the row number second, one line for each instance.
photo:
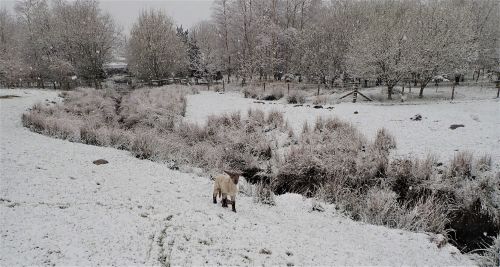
column 160, row 108
column 272, row 94
column 428, row 214
column 119, row 138
column 251, row 92
column 461, row 165
column 323, row 156
column 145, row 144
column 97, row 105
column 263, row 194
column 384, row 141
column 484, row 163
column 380, row 207
column 257, row 117
column 275, row 119
column 490, row 255
column 259, row 93
column 89, row 133
column 302, row 172
column 296, row 97
column 52, row 122
column 320, row 100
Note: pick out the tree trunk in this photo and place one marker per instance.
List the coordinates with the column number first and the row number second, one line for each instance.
column 229, row 70
column 453, row 91
column 389, row 92
column 421, row 93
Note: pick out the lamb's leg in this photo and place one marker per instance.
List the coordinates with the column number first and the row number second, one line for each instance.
column 215, row 195
column 224, row 200
column 233, row 203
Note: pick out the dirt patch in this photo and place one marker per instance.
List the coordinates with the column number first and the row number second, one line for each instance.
column 417, row 117
column 8, row 96
column 100, row 162
column 454, row 126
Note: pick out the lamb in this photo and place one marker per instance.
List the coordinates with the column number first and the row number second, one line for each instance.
column 226, row 184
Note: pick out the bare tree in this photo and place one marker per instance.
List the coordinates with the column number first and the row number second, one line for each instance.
column 11, row 67
column 86, row 37
column 486, row 30
column 154, row 49
column 204, row 34
column 380, row 48
column 440, row 40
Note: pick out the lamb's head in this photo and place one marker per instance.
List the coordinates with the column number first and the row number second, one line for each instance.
column 234, row 175
column 235, row 178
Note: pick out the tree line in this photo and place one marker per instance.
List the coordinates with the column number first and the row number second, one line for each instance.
column 42, row 42
column 317, row 41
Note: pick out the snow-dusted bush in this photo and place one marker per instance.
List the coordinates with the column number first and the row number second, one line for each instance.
column 275, row 119
column 160, row 108
column 320, row 100
column 490, row 255
column 428, row 214
column 260, row 94
column 484, row 163
column 50, row 121
column 296, row 97
column 251, row 92
column 263, row 194
column 145, row 144
column 325, row 155
column 384, row 141
column 272, row 94
column 89, row 133
column 461, row 165
column 380, row 207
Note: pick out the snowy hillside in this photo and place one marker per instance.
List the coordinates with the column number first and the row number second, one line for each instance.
column 57, row 207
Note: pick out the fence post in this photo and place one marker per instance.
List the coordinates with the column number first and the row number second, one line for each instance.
column 498, row 86
column 264, row 86
column 453, row 91
column 318, row 90
column 223, row 86
column 208, row 85
column 288, row 88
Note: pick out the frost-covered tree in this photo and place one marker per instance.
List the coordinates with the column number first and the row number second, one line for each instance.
column 35, row 23
column 324, row 42
column 85, row 37
column 11, row 67
column 154, row 49
column 485, row 27
column 380, row 48
column 204, row 34
column 221, row 18
column 440, row 40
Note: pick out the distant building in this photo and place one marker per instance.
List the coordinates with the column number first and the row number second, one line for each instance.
column 113, row 68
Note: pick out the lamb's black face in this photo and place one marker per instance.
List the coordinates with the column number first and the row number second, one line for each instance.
column 235, row 178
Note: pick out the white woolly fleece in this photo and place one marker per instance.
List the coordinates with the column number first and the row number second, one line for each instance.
column 225, row 185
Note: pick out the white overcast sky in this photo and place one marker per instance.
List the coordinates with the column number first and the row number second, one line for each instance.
column 125, row 12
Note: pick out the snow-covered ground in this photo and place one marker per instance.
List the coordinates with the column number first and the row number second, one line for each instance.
column 480, row 134
column 56, row 207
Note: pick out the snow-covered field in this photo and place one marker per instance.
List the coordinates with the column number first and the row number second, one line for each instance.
column 58, row 208
column 480, row 134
